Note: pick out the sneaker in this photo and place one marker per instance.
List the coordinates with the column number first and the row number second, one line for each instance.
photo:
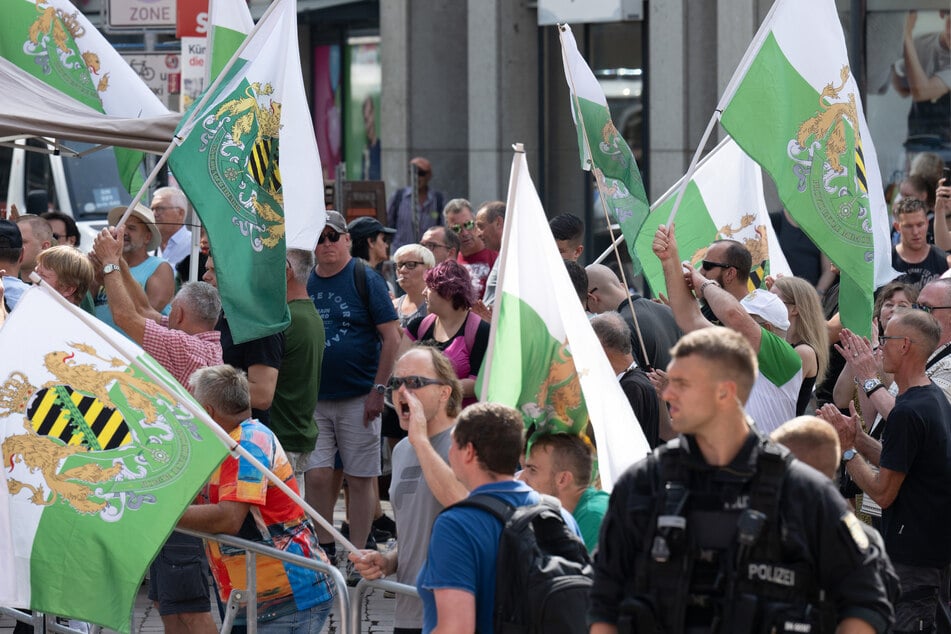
column 352, row 576
column 384, row 528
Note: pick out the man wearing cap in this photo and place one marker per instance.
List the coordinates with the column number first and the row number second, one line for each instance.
column 370, row 240
column 760, row 317
column 410, row 222
column 139, row 236
column 11, row 254
column 362, row 333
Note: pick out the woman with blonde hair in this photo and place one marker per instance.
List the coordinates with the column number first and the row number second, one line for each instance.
column 807, row 332
column 412, row 262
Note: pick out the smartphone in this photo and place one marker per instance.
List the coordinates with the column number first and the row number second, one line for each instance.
column 947, row 176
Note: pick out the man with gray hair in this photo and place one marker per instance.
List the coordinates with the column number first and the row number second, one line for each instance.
column 182, row 342
column 170, row 205
column 473, row 254
column 298, row 380
column 240, row 500
column 615, row 338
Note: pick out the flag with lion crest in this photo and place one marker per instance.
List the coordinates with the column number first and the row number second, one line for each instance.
column 101, row 456
column 249, row 165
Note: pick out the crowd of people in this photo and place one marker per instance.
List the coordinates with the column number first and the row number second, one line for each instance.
column 720, row 529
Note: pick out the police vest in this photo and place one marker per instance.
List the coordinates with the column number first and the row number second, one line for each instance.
column 713, row 559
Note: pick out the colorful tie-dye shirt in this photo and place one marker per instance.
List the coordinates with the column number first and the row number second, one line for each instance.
column 275, row 520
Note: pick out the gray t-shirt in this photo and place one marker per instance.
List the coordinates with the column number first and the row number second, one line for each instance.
column 416, row 508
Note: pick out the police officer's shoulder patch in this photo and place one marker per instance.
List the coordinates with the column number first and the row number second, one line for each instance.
column 854, row 526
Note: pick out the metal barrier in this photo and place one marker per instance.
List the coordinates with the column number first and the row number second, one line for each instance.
column 361, row 591
column 45, row 622
column 252, row 549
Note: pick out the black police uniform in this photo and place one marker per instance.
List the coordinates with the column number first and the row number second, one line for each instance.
column 763, row 544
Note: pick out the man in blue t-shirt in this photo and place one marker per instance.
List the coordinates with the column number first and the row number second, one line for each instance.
column 457, row 582
column 362, row 335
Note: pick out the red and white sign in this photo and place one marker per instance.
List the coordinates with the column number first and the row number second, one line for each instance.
column 192, row 18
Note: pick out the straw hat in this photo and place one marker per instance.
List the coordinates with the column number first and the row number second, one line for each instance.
column 144, row 214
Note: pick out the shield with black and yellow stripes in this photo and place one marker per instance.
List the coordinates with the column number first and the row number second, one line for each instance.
column 77, row 419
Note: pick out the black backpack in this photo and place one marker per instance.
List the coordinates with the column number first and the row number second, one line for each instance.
column 543, row 572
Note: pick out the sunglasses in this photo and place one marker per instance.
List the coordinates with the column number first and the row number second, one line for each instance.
column 333, row 236
column 411, row 382
column 707, row 265
column 468, row 225
column 411, row 265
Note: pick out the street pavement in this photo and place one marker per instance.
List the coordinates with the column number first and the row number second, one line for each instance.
column 376, row 613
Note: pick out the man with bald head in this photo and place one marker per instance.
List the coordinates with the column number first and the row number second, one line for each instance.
column 411, row 222
column 913, row 480
column 655, row 325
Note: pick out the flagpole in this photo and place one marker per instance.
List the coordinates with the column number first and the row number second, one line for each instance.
column 187, row 125
column 233, row 447
column 519, row 150
column 562, row 28
column 693, row 165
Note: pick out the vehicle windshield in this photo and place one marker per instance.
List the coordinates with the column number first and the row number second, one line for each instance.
column 93, row 182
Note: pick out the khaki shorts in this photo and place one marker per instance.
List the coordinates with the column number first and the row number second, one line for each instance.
column 340, row 428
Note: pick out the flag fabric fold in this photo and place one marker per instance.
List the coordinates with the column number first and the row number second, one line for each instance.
column 546, row 360
column 53, row 41
column 229, row 22
column 102, row 454
column 793, row 105
column 253, row 204
column 604, row 152
column 724, row 200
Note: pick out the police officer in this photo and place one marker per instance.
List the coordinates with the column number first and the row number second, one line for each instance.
column 721, row 530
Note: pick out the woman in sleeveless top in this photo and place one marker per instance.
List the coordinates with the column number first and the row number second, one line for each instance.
column 807, row 333
column 412, row 263
column 451, row 326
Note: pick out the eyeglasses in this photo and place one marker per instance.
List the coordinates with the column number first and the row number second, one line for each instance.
column 593, row 290
column 434, row 245
column 884, row 339
column 411, row 382
column 928, row 309
column 58, row 236
column 707, row 265
column 333, row 236
column 409, row 264
column 468, row 225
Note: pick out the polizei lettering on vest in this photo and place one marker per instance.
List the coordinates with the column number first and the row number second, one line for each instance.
column 772, row 574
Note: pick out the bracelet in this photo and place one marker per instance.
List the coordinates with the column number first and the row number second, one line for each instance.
column 706, row 284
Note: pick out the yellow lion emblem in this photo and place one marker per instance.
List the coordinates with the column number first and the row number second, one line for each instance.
column 830, row 120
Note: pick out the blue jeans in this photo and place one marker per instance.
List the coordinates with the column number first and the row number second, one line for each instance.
column 309, row 621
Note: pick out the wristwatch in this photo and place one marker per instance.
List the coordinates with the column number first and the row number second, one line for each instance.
column 379, row 388
column 848, row 454
column 870, row 385
column 110, row 268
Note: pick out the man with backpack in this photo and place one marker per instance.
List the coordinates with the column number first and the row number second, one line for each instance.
column 720, row 530
column 504, row 557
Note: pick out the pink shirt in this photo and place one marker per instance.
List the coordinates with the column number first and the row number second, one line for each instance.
column 179, row 352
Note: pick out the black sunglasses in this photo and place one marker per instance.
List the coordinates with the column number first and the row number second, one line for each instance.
column 707, row 265
column 333, row 236
column 411, row 382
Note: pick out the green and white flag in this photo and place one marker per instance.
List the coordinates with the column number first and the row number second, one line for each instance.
column 53, row 41
column 545, row 359
column 604, row 152
column 229, row 22
column 254, row 204
column 723, row 200
column 102, row 454
column 794, row 107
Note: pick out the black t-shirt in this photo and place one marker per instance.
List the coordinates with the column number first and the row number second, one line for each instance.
column 917, row 442
column 643, row 399
column 920, row 273
column 660, row 330
column 267, row 351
